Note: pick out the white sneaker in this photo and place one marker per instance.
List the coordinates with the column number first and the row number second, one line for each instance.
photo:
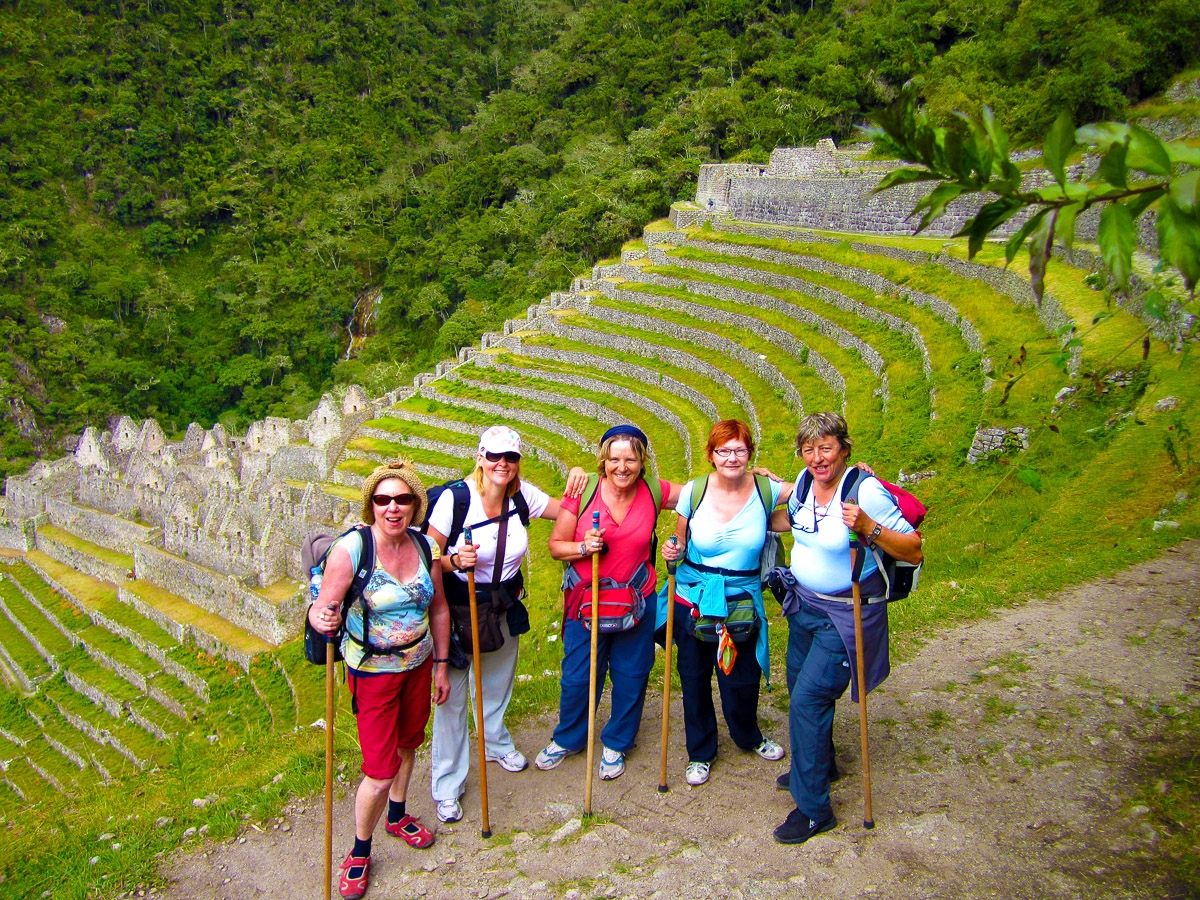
column 550, row 757
column 768, row 749
column 448, row 811
column 697, row 773
column 612, row 764
column 512, row 761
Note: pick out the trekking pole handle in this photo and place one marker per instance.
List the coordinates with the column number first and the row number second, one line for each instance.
column 467, row 538
column 596, row 521
column 671, row 563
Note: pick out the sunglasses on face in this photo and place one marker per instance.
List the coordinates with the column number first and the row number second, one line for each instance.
column 510, row 457
column 387, row 499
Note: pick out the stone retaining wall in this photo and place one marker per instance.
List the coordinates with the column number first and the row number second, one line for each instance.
column 185, row 633
column 722, row 345
column 81, row 561
column 71, row 636
column 17, row 534
column 195, row 683
column 638, row 347
column 45, row 654
column 221, row 595
column 653, row 407
column 108, row 531
column 506, row 413
column 14, row 668
column 100, row 736
column 65, row 751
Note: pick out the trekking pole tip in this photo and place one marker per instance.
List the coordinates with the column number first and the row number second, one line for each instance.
column 662, row 788
column 868, row 823
column 486, row 833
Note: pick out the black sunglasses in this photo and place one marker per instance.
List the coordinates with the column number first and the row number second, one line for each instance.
column 386, row 499
column 510, row 457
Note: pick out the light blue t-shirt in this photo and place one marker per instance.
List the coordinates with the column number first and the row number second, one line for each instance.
column 821, row 556
column 735, row 544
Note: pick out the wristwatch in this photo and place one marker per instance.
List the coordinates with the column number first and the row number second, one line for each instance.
column 583, row 549
column 875, row 532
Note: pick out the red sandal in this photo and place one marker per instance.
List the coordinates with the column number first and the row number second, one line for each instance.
column 353, row 886
column 410, row 830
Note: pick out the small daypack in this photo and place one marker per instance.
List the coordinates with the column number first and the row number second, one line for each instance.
column 900, row 578
column 739, row 620
column 621, row 605
column 314, row 551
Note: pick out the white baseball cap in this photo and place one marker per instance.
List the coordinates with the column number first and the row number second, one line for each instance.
column 500, row 439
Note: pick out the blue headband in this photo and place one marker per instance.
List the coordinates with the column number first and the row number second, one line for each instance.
column 626, row 431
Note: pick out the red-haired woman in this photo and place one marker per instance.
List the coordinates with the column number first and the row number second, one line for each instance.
column 718, row 588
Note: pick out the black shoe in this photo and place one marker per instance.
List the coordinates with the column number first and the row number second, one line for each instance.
column 798, row 827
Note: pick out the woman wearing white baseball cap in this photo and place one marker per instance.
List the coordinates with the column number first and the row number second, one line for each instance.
column 499, row 504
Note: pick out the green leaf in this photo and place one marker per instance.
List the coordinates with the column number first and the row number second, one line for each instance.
column 1040, row 245
column 1147, row 153
column 1030, row 478
column 904, row 176
column 1179, row 241
column 1185, row 191
column 1117, row 238
column 1102, row 134
column 1066, row 223
column 1013, row 246
column 1112, row 166
column 989, row 218
column 934, row 203
column 1155, row 306
column 1179, row 152
column 1138, row 205
column 1060, row 141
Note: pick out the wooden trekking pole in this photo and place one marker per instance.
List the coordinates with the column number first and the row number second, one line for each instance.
column 329, row 683
column 591, row 749
column 483, row 788
column 667, row 645
column 856, row 591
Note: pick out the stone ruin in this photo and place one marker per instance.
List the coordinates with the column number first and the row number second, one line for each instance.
column 212, row 518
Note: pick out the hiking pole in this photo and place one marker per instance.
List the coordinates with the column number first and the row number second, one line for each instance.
column 479, row 729
column 591, row 750
column 667, row 644
column 868, row 818
column 329, row 683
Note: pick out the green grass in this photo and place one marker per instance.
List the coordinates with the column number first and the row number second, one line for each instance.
column 112, row 557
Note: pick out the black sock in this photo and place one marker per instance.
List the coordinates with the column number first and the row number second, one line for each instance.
column 395, row 811
column 361, row 847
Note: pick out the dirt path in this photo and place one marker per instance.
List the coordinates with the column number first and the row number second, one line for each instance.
column 1006, row 758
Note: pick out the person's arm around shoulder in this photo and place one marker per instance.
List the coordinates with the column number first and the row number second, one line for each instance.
column 671, row 493
column 900, row 540
column 439, row 627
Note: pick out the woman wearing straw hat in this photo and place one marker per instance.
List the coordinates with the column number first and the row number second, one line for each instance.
column 392, row 667
column 495, row 488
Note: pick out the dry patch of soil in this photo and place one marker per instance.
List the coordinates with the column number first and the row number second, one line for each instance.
column 1005, row 759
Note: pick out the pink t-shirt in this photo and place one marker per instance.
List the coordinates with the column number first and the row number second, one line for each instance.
column 628, row 542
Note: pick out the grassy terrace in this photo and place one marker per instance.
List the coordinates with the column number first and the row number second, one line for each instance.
column 185, row 613
column 727, row 406
column 861, row 384
column 17, row 645
column 695, row 420
column 78, row 662
column 668, row 446
column 776, row 417
column 142, row 744
column 67, row 539
column 910, row 405
column 272, row 687
column 55, row 724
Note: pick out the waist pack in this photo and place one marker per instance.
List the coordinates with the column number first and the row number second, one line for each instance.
column 620, row 605
column 739, row 622
column 314, row 553
column 492, row 604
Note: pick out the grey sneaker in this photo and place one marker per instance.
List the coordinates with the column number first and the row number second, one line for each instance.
column 512, row 761
column 612, row 764
column 697, row 773
column 768, row 749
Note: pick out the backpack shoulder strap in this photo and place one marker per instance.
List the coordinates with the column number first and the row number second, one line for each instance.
column 423, row 549
column 589, row 493
column 852, row 482
column 522, row 507
column 462, row 503
column 699, row 489
column 655, row 487
column 766, row 496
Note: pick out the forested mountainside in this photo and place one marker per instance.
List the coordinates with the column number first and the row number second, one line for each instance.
column 196, row 196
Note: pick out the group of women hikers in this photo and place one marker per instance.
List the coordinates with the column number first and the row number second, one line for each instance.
column 719, row 621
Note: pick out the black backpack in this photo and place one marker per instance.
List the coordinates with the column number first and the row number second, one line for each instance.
column 462, row 503
column 314, row 551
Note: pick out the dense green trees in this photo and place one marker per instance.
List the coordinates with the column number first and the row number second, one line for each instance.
column 194, row 195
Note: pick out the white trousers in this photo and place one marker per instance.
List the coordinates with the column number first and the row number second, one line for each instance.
column 452, row 748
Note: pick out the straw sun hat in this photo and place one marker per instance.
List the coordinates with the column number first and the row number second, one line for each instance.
column 405, row 472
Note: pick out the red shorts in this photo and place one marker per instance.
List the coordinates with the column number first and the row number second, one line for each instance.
column 393, row 710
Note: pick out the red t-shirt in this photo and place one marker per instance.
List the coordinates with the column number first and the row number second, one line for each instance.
column 628, row 542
